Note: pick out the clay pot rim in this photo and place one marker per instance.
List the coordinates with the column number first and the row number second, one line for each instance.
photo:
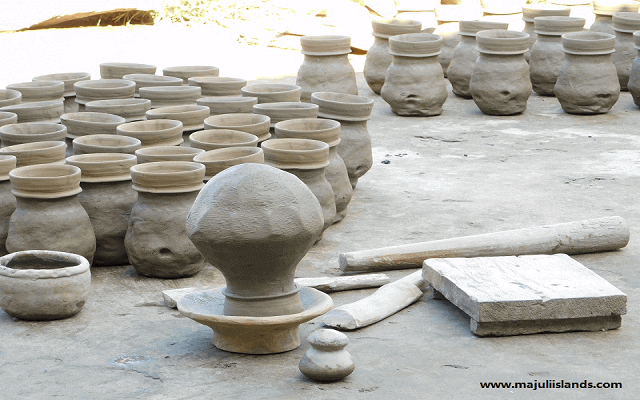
column 8, row 115
column 558, row 25
column 173, row 90
column 153, row 125
column 12, row 132
column 4, row 93
column 626, row 22
column 256, row 124
column 588, row 43
column 216, row 80
column 88, row 120
column 45, row 181
column 130, row 108
column 290, row 153
column 415, row 45
column 471, row 28
column 325, row 45
column 105, row 84
column 153, row 177
column 502, row 42
column 151, row 78
column 609, row 9
column 82, row 265
column 385, row 28
column 278, row 111
column 7, row 163
column 228, row 100
column 327, row 130
column 531, row 11
column 269, row 88
column 34, row 146
column 34, row 88
column 166, row 128
column 228, row 155
column 342, row 106
column 103, row 167
column 30, row 108
column 164, row 153
column 109, row 103
column 197, row 139
column 185, row 72
column 178, row 110
column 126, row 65
column 88, row 143
column 509, row 8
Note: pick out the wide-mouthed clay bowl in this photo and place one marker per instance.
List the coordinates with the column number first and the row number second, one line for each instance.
column 228, row 104
column 211, row 139
column 29, row 132
column 90, row 123
column 192, row 116
column 38, row 111
column 106, row 144
column 167, row 153
column 157, row 132
column 39, row 90
column 146, row 80
column 104, row 89
column 48, row 152
column 218, row 85
column 255, row 124
column 218, row 160
column 7, row 118
column 190, row 71
column 166, row 96
column 283, row 111
column 129, row 109
column 273, row 92
column 9, row 97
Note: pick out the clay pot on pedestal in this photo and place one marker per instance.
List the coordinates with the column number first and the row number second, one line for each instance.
column 352, row 112
column 166, row 153
column 415, row 85
column 500, row 83
column 216, row 161
column 465, row 55
column 7, row 200
column 272, row 92
column 39, row 111
column 307, row 159
column 327, row 131
column 167, row 96
column 107, row 197
column 278, row 112
column 156, row 132
column 228, row 104
column 191, row 116
column 624, row 24
column 129, row 109
column 69, row 79
column 116, row 70
column 48, row 214
column 146, row 80
column 254, row 124
column 378, row 57
column 326, row 66
column 588, row 82
column 547, row 55
column 191, row 71
column 532, row 11
column 327, row 360
column 104, row 89
column 8, row 118
column 90, row 123
column 212, row 139
column 40, row 285
column 156, row 240
column 39, row 90
column 9, row 97
column 218, row 85
column 634, row 76
column 604, row 10
column 29, row 132
column 105, row 144
column 46, row 152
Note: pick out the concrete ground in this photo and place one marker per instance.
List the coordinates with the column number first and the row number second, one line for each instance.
column 457, row 174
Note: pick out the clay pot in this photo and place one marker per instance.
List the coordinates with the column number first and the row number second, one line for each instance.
column 588, row 82
column 378, row 57
column 216, row 161
column 634, row 76
column 47, row 152
column 254, row 124
column 129, row 109
column 624, row 24
column 306, row 159
column 105, row 144
column 547, row 55
column 9, row 97
column 278, row 112
column 465, row 55
column 157, row 132
column 327, row 131
column 532, row 11
column 167, row 96
column 41, row 285
column 107, row 197
column 166, row 153
column 48, row 214
column 212, row 139
column 156, row 240
column 104, row 89
column 146, row 80
column 604, row 10
column 327, row 360
column 191, row 116
column 39, row 90
column 352, row 112
column 187, row 72
column 7, row 200
column 30, row 132
column 218, row 85
column 228, row 104
column 69, row 79
column 326, row 66
column 272, row 92
column 39, row 111
column 448, row 17
column 8, row 118
column 116, row 70
column 507, row 92
column 90, row 123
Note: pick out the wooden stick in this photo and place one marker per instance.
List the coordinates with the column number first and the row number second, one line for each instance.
column 588, row 236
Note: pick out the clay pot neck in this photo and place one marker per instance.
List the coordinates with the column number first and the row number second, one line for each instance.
column 402, row 60
column 501, row 57
column 308, row 175
column 27, row 203
column 329, row 58
column 550, row 38
column 588, row 58
column 167, row 197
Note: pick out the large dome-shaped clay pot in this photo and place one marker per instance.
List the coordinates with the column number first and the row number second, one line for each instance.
column 116, row 70
column 604, row 10
column 146, row 80
column 156, row 132
column 191, row 71
column 192, row 116
column 45, row 152
column 105, row 144
column 532, row 11
column 8, row 118
column 167, row 96
column 212, row 139
column 9, row 97
column 7, row 199
column 254, row 124
column 39, row 111
column 129, row 109
column 39, row 90
column 624, row 24
column 69, row 79
column 219, row 85
column 283, row 111
column 29, row 132
column 166, row 153
column 272, row 92
column 104, row 89
column 90, row 123
column 228, row 104
column 216, row 161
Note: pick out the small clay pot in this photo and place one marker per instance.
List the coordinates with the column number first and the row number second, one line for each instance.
column 129, row 109
column 90, row 123
column 46, row 152
column 147, row 80
column 104, row 89
column 218, row 85
column 378, row 57
column 167, row 96
column 255, row 124
column 69, row 79
column 42, row 285
column 186, row 72
column 604, row 10
column 624, row 24
column 191, row 116
column 107, row 197
column 283, row 111
column 157, row 132
column 30, row 132
column 7, row 199
column 8, row 118
column 327, row 360
column 105, row 144
column 156, row 240
column 216, row 161
column 326, row 66
column 116, row 70
column 212, row 139
column 9, row 97
column 39, row 90
column 272, row 92
column 39, row 111
column 166, row 153
column 634, row 76
column 532, row 11
column 228, row 104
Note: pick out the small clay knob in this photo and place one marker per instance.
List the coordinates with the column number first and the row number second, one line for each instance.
column 326, row 360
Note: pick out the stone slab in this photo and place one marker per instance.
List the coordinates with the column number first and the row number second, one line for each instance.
column 508, row 328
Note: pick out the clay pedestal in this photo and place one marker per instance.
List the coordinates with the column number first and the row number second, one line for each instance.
column 532, row 11
column 624, row 24
column 7, row 200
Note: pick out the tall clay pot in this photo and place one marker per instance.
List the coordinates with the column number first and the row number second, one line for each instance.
column 624, row 23
column 326, row 66
column 532, row 11
column 465, row 55
column 604, row 10
column 48, row 214
column 107, row 197
column 378, row 57
column 547, row 55
column 7, row 200
column 415, row 82
column 156, row 240
column 634, row 76
column 588, row 82
column 500, row 83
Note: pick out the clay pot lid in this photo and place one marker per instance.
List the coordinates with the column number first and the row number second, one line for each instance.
column 189, row 71
column 170, row 93
column 415, row 45
column 106, row 144
column 557, row 25
column 327, row 45
column 218, row 160
column 69, row 79
column 609, row 7
column 168, row 177
column 343, row 107
column 502, row 42
column 9, row 97
column 212, row 139
column 285, row 110
column 47, row 152
column 90, row 121
column 295, row 153
column 54, row 108
column 110, row 70
column 27, row 132
column 103, row 167
column 588, row 43
column 45, row 181
column 272, row 92
column 155, row 132
column 385, row 28
column 626, row 22
column 16, row 265
column 7, row 118
column 7, row 163
column 167, row 153
column 470, row 28
column 324, row 130
column 328, row 339
column 531, row 11
column 255, row 124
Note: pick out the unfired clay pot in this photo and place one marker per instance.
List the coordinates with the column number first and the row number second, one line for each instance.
column 45, row 152
column 39, row 111
column 104, row 89
column 212, row 139
column 449, row 16
column 326, row 66
column 272, row 92
column 500, row 83
column 634, row 76
column 90, row 123
column 146, row 80
column 9, row 97
column 327, row 131
column 156, row 132
column 8, row 118
column 307, row 159
column 41, row 285
column 157, row 241
column 105, row 144
column 352, row 112
column 228, row 104
column 186, row 72
column 39, row 90
column 283, row 111
column 547, row 55
column 7, row 200
column 532, row 11
column 216, row 161
column 191, row 116
column 116, row 70
column 604, row 10
column 167, row 96
column 166, row 153
column 254, row 124
column 624, row 24
column 107, row 197
column 69, row 79
column 48, row 214
column 28, row 132
column 588, row 82
column 327, row 360
column 378, row 57
column 218, row 85
column 129, row 109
